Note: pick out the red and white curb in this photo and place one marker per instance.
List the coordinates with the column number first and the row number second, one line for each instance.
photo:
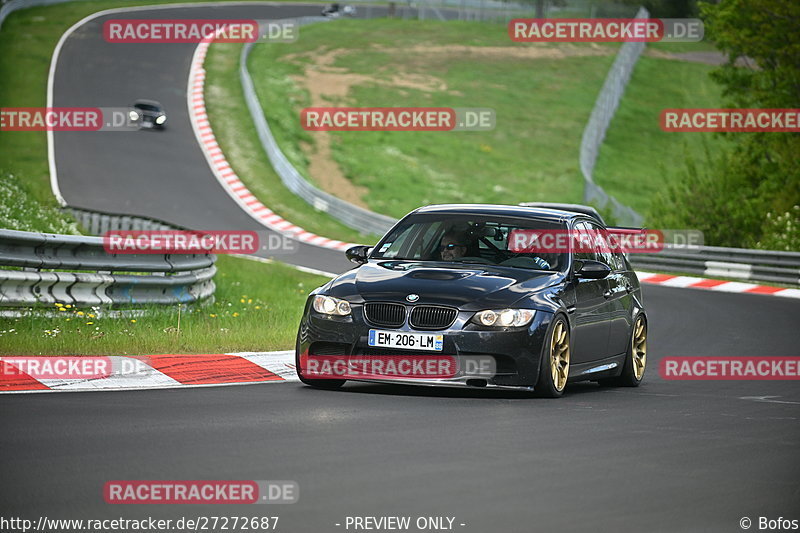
column 163, row 372
column 691, row 282
column 178, row 371
column 223, row 171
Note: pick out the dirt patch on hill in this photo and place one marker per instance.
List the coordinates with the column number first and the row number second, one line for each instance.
column 531, row 51
column 329, row 85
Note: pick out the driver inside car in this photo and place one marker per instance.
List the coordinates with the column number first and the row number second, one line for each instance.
column 453, row 246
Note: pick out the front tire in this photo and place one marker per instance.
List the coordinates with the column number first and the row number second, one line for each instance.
column 554, row 368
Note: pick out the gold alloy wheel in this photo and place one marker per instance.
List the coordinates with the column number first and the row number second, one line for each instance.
column 559, row 356
column 639, row 348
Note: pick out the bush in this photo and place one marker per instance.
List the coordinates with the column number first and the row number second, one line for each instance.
column 730, row 194
column 782, row 232
column 746, row 195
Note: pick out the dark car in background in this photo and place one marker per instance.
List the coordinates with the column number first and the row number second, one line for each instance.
column 337, row 10
column 447, row 280
column 147, row 114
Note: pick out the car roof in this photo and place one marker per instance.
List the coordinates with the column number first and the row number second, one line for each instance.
column 503, row 210
column 576, row 208
column 147, row 102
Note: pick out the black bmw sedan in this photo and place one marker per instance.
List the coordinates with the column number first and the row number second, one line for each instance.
column 148, row 114
column 479, row 296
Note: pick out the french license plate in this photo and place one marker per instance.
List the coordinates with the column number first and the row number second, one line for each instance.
column 406, row 341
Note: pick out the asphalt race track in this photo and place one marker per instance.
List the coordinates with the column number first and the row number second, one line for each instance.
column 670, row 456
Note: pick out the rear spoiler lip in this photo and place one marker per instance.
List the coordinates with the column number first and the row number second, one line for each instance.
column 626, row 229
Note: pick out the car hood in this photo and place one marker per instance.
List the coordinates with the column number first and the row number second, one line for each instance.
column 462, row 286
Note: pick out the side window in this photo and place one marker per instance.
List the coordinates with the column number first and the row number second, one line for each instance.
column 391, row 249
column 603, row 250
column 496, row 235
column 583, row 236
column 429, row 241
column 616, row 254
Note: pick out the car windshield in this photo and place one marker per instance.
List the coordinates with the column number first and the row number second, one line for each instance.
column 468, row 239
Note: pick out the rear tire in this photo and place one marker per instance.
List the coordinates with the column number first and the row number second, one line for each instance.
column 328, row 384
column 554, row 368
column 635, row 360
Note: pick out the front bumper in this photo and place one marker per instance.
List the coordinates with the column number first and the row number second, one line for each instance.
column 516, row 351
column 455, row 383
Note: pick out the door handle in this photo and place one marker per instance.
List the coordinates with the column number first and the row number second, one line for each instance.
column 607, row 294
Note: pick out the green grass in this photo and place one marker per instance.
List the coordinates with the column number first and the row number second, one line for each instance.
column 20, row 211
column 236, row 135
column 257, row 308
column 637, row 158
column 680, row 48
column 541, row 106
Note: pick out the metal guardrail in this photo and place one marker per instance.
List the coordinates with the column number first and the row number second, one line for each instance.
column 360, row 219
column 77, row 270
column 13, row 5
column 98, row 222
column 713, row 261
column 604, row 108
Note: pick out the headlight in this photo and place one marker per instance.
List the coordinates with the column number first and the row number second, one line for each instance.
column 329, row 305
column 504, row 318
column 133, row 115
column 162, row 119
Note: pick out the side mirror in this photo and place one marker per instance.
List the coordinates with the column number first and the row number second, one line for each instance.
column 358, row 254
column 590, row 269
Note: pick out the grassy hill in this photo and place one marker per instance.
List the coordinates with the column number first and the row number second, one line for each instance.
column 542, row 94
